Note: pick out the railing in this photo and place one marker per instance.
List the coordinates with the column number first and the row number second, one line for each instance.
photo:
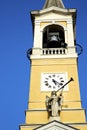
column 53, row 51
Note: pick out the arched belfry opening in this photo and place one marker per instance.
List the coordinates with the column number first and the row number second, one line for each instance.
column 53, row 37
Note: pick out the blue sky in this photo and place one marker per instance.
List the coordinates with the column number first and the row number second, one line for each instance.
column 15, row 39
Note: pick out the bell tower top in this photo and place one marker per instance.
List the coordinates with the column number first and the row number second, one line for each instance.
column 56, row 3
column 54, row 31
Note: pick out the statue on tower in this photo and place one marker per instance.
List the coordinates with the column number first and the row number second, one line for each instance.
column 54, row 104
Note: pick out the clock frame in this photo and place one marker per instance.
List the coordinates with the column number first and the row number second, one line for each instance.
column 53, row 81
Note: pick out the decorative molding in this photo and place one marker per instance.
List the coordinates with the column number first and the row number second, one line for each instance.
column 63, row 109
column 53, row 56
column 55, row 125
column 42, row 101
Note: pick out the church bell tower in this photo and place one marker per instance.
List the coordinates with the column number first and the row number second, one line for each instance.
column 54, row 97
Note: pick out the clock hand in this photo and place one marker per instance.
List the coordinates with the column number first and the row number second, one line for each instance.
column 55, row 82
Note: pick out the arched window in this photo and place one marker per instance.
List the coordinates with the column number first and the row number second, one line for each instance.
column 53, row 37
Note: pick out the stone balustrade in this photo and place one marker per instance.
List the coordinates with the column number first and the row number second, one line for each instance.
column 54, row 51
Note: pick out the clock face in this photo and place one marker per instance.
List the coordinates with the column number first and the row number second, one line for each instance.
column 52, row 81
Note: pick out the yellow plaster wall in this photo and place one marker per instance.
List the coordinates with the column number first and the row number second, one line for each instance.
column 27, row 128
column 71, row 116
column 62, row 23
column 42, row 24
column 57, row 65
column 35, row 117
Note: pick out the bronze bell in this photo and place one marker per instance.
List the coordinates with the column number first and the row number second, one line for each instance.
column 53, row 37
column 53, row 40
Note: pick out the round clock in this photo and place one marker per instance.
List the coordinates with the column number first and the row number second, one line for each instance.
column 52, row 81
